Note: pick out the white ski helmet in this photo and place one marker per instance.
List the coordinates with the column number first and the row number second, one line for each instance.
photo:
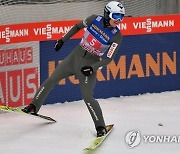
column 114, row 10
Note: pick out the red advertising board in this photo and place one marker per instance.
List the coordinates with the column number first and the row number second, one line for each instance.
column 19, row 73
column 18, row 87
column 53, row 30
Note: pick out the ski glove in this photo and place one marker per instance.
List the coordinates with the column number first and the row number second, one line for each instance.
column 87, row 70
column 58, row 45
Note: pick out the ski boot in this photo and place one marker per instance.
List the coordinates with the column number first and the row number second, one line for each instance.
column 101, row 131
column 31, row 108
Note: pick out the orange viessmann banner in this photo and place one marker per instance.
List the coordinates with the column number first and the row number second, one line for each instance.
column 52, row 30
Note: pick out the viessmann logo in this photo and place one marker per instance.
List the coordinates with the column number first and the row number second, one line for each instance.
column 149, row 24
column 9, row 33
column 47, row 31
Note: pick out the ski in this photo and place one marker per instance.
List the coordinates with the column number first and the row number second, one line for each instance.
column 18, row 110
column 99, row 140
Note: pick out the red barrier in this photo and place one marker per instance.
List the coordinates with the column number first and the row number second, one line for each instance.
column 53, row 30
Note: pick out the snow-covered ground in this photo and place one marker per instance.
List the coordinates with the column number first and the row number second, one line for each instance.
column 74, row 129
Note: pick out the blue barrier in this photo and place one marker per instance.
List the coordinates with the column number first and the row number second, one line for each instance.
column 135, row 75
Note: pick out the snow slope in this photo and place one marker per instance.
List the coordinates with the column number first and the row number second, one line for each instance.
column 74, row 130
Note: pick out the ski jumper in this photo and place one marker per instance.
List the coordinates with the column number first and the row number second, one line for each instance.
column 96, row 49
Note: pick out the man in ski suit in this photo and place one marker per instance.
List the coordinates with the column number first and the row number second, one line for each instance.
column 97, row 48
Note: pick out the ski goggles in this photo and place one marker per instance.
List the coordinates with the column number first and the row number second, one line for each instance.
column 116, row 16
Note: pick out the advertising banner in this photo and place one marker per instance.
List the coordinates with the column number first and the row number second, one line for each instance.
column 54, row 30
column 144, row 64
column 19, row 73
column 148, row 60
